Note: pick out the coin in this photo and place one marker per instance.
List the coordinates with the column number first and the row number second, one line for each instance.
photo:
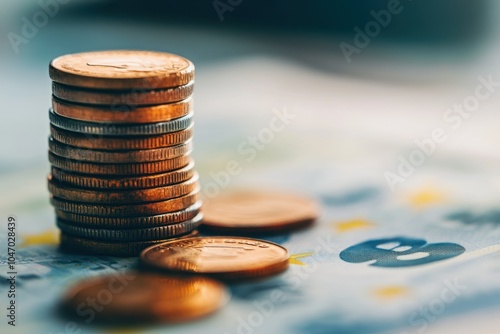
column 119, row 169
column 149, row 114
column 85, row 154
column 133, row 297
column 122, row 196
column 222, row 257
column 108, row 248
column 137, row 234
column 122, row 69
column 258, row 211
column 131, row 222
column 153, row 208
column 114, row 143
column 111, row 129
column 122, row 98
column 123, row 182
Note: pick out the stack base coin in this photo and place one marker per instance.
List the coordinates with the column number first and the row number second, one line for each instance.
column 122, row 249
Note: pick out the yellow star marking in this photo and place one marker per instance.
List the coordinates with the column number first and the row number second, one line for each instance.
column 426, row 197
column 294, row 258
column 353, row 224
column 390, row 292
column 50, row 237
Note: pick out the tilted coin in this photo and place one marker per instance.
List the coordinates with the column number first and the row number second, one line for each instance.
column 122, row 69
column 114, row 143
column 123, row 98
column 145, row 298
column 131, row 222
column 119, row 169
column 85, row 154
column 131, row 248
column 153, row 208
column 222, row 257
column 122, row 196
column 123, row 114
column 252, row 211
column 113, row 129
column 138, row 234
column 123, row 182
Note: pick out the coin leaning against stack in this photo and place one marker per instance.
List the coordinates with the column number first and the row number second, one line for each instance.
column 122, row 178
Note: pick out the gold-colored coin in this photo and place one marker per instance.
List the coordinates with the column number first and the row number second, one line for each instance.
column 85, row 154
column 120, row 98
column 123, row 182
column 115, row 143
column 153, row 208
column 222, row 257
column 88, row 246
column 122, row 69
column 123, row 196
column 123, row 114
column 134, row 298
column 258, row 212
column 154, row 167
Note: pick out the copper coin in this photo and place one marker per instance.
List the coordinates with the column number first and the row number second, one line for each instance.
column 122, row 69
column 222, row 257
column 258, row 212
column 145, row 298
column 124, row 182
column 122, row 196
column 131, row 222
column 132, row 248
column 85, row 154
column 123, row 98
column 153, row 208
column 150, row 114
column 114, row 143
column 119, row 169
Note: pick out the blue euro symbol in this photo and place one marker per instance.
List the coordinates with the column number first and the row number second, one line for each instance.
column 400, row 252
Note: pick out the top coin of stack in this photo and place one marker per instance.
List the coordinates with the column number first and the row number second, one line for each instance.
column 121, row 137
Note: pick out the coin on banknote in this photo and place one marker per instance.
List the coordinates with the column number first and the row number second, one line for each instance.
column 123, row 114
column 134, row 297
column 222, row 257
column 252, row 211
column 122, row 98
column 113, row 143
column 80, row 245
column 122, row 69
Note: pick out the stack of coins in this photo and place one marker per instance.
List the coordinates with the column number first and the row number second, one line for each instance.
column 121, row 136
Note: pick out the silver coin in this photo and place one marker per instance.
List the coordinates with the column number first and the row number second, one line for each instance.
column 113, row 129
column 131, row 222
column 139, row 234
column 85, row 154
